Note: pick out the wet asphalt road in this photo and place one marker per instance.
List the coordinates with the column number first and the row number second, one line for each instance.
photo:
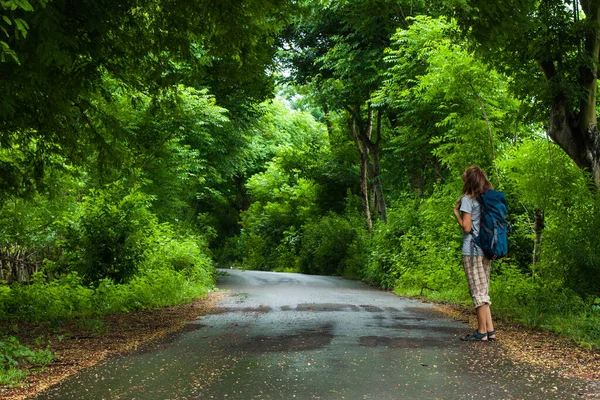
column 291, row 336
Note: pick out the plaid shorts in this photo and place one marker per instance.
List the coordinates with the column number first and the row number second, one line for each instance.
column 477, row 269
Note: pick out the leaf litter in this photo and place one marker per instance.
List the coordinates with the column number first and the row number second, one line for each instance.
column 543, row 349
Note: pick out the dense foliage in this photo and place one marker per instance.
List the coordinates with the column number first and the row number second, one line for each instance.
column 142, row 143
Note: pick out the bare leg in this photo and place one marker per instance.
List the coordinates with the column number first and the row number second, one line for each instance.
column 482, row 318
column 489, row 325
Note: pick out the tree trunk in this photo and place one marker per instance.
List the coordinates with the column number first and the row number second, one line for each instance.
column 365, row 139
column 369, row 149
column 577, row 133
column 538, row 229
column 578, row 136
column 380, row 205
column 364, row 166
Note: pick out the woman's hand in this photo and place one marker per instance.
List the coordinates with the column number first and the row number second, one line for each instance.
column 457, row 206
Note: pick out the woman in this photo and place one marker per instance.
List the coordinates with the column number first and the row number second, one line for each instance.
column 477, row 267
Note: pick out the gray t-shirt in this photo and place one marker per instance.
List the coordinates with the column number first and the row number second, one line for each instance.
column 471, row 206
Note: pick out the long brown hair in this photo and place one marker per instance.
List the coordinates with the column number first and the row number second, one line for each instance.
column 476, row 181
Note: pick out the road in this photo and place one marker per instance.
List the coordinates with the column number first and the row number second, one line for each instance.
column 292, row 336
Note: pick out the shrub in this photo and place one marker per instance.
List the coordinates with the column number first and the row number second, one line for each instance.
column 325, row 245
column 419, row 246
column 14, row 357
column 356, row 259
column 183, row 252
column 66, row 298
column 176, row 269
column 110, row 236
column 57, row 300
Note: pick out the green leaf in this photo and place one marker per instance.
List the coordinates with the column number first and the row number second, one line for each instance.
column 24, row 4
column 22, row 25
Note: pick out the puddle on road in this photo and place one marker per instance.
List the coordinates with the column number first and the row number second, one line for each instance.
column 307, row 340
column 320, row 307
column 260, row 309
column 371, row 308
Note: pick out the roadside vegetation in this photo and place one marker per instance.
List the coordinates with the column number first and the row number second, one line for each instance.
column 144, row 143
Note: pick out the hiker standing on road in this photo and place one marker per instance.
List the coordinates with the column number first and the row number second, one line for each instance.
column 476, row 265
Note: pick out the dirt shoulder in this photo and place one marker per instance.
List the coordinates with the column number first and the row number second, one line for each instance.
column 76, row 347
column 540, row 348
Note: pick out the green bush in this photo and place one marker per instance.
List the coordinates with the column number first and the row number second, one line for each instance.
column 285, row 256
column 419, row 247
column 272, row 225
column 183, row 252
column 326, row 244
column 15, row 357
column 387, row 245
column 42, row 300
column 257, row 251
column 176, row 268
column 540, row 175
column 571, row 250
column 540, row 303
column 12, row 376
column 356, row 259
column 109, row 237
column 154, row 289
column 66, row 298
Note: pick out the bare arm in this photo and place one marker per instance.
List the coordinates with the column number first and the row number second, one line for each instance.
column 463, row 220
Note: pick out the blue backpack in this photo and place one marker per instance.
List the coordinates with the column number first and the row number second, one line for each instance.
column 493, row 226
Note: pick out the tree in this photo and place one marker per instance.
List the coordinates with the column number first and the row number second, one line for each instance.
column 338, row 49
column 550, row 49
column 56, row 65
column 452, row 109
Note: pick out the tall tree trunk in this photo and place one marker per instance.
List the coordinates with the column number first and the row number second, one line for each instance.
column 364, row 166
column 370, row 161
column 365, row 139
column 380, row 205
column 538, row 229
